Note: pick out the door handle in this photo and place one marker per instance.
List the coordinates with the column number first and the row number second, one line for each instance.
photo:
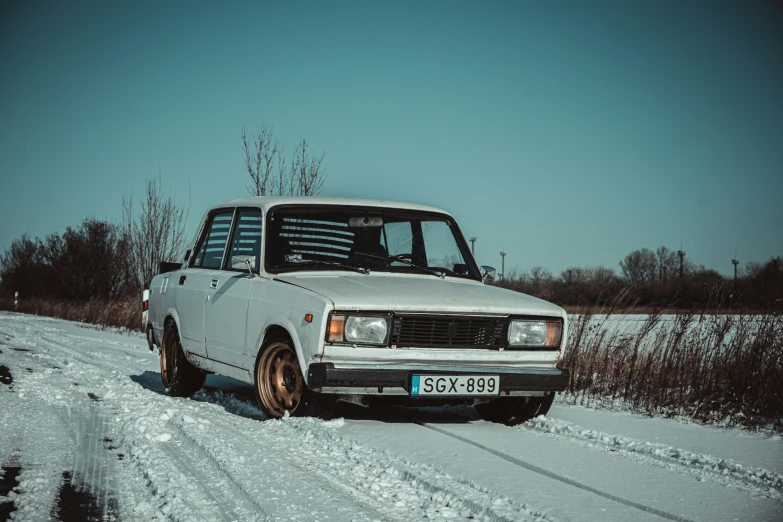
column 214, row 283
column 182, row 279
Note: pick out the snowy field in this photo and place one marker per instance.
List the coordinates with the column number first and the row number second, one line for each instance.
column 702, row 328
column 86, row 434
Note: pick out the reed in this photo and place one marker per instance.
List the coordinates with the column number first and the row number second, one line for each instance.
column 724, row 368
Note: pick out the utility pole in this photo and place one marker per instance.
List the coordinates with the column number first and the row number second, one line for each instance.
column 473, row 245
column 735, row 262
column 682, row 256
column 502, row 264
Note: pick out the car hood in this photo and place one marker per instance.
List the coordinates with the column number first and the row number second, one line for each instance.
column 404, row 293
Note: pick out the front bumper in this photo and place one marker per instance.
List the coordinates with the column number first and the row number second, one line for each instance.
column 386, row 381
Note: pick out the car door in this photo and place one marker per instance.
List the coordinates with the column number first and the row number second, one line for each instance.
column 230, row 289
column 196, row 280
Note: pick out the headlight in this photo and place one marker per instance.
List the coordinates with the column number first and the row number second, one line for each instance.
column 359, row 329
column 535, row 333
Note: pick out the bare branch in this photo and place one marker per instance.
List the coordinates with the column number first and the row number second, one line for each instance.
column 266, row 165
column 155, row 234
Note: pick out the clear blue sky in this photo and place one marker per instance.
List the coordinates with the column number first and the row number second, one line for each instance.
column 570, row 134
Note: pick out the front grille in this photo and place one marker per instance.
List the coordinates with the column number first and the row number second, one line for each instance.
column 445, row 331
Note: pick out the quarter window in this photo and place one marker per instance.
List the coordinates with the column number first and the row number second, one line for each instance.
column 213, row 244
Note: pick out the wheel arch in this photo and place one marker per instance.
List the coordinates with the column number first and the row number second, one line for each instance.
column 171, row 315
column 283, row 332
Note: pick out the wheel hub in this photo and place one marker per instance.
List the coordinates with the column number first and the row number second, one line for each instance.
column 289, row 378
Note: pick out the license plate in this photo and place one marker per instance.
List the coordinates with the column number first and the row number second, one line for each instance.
column 455, row 385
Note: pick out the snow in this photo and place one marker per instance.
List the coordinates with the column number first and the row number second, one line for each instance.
column 85, row 414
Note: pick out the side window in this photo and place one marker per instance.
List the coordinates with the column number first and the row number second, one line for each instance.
column 246, row 242
column 213, row 243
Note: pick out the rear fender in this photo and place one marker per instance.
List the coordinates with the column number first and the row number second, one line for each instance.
column 170, row 313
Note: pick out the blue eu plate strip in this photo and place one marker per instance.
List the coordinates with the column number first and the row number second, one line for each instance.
column 415, row 384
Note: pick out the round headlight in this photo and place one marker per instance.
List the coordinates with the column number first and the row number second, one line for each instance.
column 367, row 330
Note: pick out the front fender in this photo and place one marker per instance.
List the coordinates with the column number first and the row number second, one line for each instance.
column 285, row 306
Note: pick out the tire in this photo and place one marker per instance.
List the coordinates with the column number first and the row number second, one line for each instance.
column 150, row 337
column 180, row 378
column 514, row 410
column 280, row 386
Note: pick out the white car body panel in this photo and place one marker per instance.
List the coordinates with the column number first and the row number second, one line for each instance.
column 190, row 301
column 226, row 316
column 419, row 293
column 223, row 328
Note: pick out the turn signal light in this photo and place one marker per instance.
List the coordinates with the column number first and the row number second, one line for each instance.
column 336, row 328
column 553, row 332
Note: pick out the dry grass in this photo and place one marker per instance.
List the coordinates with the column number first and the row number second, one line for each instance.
column 124, row 313
column 719, row 368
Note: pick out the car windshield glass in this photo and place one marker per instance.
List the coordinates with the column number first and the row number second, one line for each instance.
column 376, row 239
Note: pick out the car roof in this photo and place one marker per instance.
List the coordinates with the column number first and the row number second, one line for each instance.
column 267, row 202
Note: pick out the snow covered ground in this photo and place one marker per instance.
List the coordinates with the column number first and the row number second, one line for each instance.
column 86, row 434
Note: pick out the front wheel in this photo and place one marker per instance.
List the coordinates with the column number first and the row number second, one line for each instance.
column 280, row 385
column 514, row 410
column 180, row 378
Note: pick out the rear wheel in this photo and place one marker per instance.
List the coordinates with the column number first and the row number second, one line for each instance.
column 150, row 337
column 514, row 410
column 280, row 385
column 180, row 378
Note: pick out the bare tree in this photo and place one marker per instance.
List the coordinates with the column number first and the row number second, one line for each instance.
column 601, row 275
column 263, row 159
column 667, row 263
column 307, row 171
column 156, row 233
column 639, row 267
column 269, row 174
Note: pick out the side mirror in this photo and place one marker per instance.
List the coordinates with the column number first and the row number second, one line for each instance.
column 488, row 273
column 187, row 255
column 243, row 262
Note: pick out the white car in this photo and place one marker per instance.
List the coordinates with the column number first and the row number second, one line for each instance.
column 314, row 300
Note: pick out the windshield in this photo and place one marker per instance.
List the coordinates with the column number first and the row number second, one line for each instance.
column 388, row 240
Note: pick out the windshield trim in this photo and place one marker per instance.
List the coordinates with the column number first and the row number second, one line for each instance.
column 459, row 237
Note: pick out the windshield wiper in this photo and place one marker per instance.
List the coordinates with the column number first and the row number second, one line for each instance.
column 364, row 271
column 403, row 260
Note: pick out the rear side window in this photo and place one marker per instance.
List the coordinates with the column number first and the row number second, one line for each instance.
column 246, row 242
column 213, row 243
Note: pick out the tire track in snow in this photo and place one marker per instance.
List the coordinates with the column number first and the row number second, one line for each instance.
column 371, row 472
column 340, row 488
column 721, row 471
column 196, row 470
column 555, row 476
column 157, row 502
column 445, row 489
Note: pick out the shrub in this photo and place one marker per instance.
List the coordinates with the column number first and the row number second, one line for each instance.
column 122, row 313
